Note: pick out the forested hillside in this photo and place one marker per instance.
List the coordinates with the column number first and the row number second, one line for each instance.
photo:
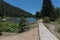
column 11, row 11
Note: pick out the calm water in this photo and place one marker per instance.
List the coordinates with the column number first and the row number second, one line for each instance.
column 30, row 20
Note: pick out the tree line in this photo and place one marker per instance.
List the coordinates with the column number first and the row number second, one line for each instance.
column 48, row 10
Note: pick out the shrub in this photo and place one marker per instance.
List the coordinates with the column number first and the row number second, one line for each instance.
column 9, row 27
column 0, row 31
column 58, row 28
column 58, row 20
column 0, row 26
column 46, row 20
column 22, row 25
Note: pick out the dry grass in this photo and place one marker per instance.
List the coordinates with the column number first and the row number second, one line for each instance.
column 52, row 27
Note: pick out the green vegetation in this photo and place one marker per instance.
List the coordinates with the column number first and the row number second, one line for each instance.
column 9, row 27
column 58, row 20
column 57, row 12
column 22, row 25
column 7, row 10
column 37, row 15
column 58, row 28
column 47, row 10
column 0, row 26
column 10, row 11
column 46, row 20
column 0, row 30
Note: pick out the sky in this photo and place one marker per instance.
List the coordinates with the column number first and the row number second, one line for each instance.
column 31, row 6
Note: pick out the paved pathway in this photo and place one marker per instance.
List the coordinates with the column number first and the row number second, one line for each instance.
column 45, row 34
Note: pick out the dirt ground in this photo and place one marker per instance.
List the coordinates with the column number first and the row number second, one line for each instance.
column 29, row 35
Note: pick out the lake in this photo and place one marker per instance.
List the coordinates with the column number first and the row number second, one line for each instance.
column 31, row 20
column 16, row 20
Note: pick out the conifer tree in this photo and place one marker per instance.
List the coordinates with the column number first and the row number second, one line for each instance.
column 37, row 14
column 47, row 10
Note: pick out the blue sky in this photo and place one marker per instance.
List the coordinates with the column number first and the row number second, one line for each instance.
column 31, row 5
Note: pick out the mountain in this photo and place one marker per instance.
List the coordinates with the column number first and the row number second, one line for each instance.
column 11, row 11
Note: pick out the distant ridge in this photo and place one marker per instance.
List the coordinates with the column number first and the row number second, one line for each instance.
column 11, row 11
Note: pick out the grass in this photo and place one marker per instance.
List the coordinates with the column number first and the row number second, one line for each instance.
column 9, row 26
column 46, row 20
column 57, row 28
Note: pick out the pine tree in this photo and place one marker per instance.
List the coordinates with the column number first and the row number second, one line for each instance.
column 47, row 9
column 57, row 11
column 37, row 14
column 1, row 8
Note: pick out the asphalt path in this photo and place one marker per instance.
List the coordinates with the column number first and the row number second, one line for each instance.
column 45, row 34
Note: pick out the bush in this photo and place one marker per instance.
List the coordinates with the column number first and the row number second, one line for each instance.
column 9, row 27
column 46, row 20
column 0, row 26
column 58, row 20
column 58, row 28
column 22, row 25
column 0, row 31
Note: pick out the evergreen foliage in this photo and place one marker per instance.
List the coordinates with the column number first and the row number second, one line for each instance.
column 57, row 11
column 37, row 14
column 11, row 11
column 48, row 10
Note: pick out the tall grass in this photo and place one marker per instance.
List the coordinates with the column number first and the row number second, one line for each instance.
column 58, row 28
column 9, row 26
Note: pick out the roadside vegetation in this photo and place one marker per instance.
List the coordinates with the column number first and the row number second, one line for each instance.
column 22, row 25
column 12, row 27
column 8, row 11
